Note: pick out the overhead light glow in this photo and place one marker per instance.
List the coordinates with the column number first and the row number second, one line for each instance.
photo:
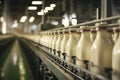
column 40, row 13
column 31, row 19
column 15, row 24
column 32, row 8
column 42, row 10
column 53, row 5
column 65, row 20
column 49, row 8
column 45, row 11
column 4, row 28
column 23, row 19
column 54, row 23
column 2, row 19
column 74, row 21
column 36, row 2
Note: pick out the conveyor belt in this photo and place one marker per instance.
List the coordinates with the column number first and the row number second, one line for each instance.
column 53, row 63
column 15, row 65
column 58, row 72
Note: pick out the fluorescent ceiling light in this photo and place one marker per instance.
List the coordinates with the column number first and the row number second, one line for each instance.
column 49, row 8
column 52, row 5
column 31, row 19
column 45, row 11
column 40, row 13
column 23, row 19
column 42, row 10
column 36, row 2
column 32, row 8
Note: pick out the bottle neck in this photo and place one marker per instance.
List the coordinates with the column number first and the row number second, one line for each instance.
column 119, row 34
column 102, row 33
column 72, row 35
column 85, row 34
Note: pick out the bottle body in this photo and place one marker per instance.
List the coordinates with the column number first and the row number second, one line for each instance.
column 50, row 43
column 83, row 51
column 54, row 43
column 71, row 47
column 101, row 53
column 58, row 44
column 116, row 60
column 92, row 36
column 63, row 44
column 115, row 37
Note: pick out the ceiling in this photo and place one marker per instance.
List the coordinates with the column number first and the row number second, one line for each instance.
column 15, row 9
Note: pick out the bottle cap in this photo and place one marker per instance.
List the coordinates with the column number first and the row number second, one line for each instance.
column 85, row 28
column 110, row 30
column 118, row 21
column 78, row 31
column 59, row 31
column 65, row 31
column 116, row 29
column 93, row 30
column 55, row 32
column 72, row 30
column 102, row 25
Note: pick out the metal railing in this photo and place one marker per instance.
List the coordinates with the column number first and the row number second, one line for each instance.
column 91, row 22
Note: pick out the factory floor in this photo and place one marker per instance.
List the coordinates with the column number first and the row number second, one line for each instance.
column 13, row 64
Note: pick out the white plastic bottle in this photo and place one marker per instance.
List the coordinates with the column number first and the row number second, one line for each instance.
column 116, row 59
column 101, row 51
column 64, row 42
column 92, row 34
column 83, row 47
column 58, row 43
column 71, row 46
column 116, row 34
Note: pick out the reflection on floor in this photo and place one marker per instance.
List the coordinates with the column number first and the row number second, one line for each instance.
column 13, row 64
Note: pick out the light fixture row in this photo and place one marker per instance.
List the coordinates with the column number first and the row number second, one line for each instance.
column 34, row 3
column 24, row 18
column 44, row 11
column 34, row 7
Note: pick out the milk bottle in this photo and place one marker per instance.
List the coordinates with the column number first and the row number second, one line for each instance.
column 92, row 34
column 78, row 34
column 116, row 34
column 47, row 39
column 116, row 59
column 83, row 47
column 64, row 42
column 54, row 42
column 50, row 42
column 101, row 50
column 71, row 46
column 110, row 33
column 58, row 43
